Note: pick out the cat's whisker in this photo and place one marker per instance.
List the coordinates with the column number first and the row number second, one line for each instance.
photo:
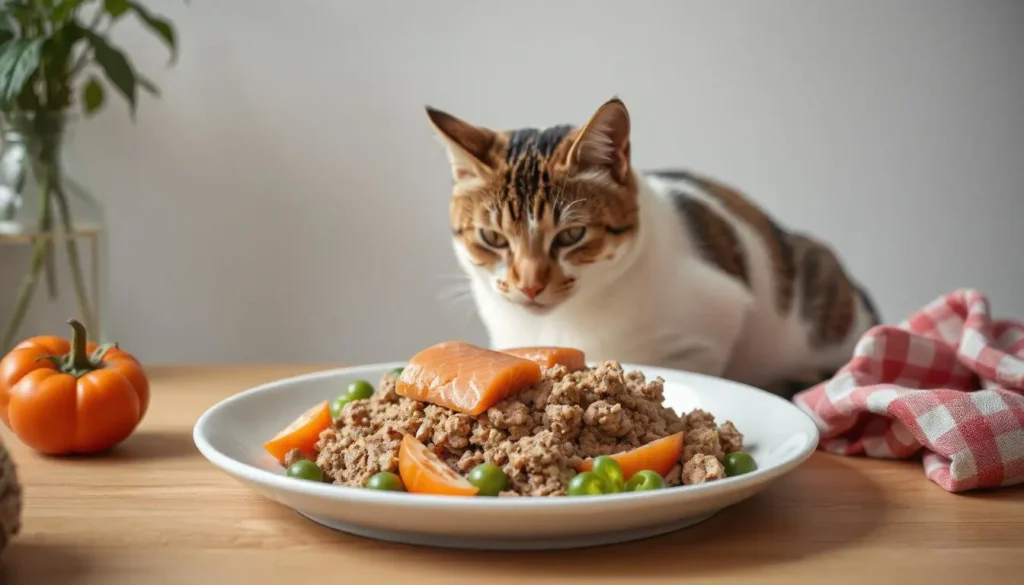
column 455, row 298
column 452, row 277
column 570, row 213
column 469, row 314
column 561, row 190
column 455, row 292
column 456, row 289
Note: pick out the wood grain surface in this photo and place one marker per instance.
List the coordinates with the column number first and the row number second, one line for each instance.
column 153, row 511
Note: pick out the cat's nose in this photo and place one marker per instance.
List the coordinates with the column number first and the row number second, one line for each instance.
column 531, row 291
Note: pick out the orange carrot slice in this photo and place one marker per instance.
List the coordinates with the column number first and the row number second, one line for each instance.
column 301, row 434
column 659, row 456
column 423, row 473
column 569, row 357
column 465, row 378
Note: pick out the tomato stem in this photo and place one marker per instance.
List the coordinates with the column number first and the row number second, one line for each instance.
column 79, row 358
column 78, row 362
column 97, row 355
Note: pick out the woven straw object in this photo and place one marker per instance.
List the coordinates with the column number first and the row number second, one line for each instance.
column 10, row 499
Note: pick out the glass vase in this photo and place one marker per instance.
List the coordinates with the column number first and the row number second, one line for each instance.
column 52, row 233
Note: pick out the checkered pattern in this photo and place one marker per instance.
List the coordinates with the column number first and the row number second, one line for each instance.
column 948, row 383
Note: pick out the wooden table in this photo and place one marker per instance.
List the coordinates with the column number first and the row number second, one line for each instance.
column 155, row 512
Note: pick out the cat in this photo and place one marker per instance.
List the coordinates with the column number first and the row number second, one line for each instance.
column 566, row 243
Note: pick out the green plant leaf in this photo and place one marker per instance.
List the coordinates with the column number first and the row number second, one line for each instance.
column 22, row 13
column 147, row 85
column 116, row 8
column 160, row 26
column 6, row 27
column 116, row 67
column 56, row 63
column 9, row 56
column 18, row 62
column 92, row 95
column 65, row 38
column 58, row 47
column 65, row 10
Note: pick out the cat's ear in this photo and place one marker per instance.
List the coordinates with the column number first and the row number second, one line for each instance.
column 603, row 142
column 468, row 146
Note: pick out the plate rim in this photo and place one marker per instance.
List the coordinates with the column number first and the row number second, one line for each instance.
column 278, row 482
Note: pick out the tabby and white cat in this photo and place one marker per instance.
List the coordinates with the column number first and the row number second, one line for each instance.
column 567, row 244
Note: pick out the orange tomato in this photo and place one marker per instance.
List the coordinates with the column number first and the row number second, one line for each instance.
column 302, row 433
column 659, row 456
column 62, row 397
column 423, row 473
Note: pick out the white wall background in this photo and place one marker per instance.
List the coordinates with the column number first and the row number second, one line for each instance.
column 286, row 200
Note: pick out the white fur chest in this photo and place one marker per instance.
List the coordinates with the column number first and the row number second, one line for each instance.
column 604, row 329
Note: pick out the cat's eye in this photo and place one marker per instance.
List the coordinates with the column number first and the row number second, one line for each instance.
column 493, row 238
column 570, row 236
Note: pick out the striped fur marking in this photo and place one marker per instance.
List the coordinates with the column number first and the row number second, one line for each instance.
column 829, row 298
column 544, row 142
column 528, row 185
column 775, row 239
column 714, row 237
column 869, row 304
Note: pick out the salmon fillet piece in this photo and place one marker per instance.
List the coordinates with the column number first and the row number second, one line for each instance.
column 465, row 378
column 569, row 357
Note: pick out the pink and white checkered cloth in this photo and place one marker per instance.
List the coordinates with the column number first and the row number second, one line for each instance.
column 948, row 381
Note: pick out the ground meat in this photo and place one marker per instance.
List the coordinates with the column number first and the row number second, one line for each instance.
column 699, row 419
column 564, row 420
column 509, row 414
column 541, row 465
column 469, row 460
column 702, row 441
column 512, row 416
column 293, row 456
column 365, row 438
column 537, row 437
column 675, row 476
column 702, row 468
column 608, row 418
column 452, row 432
column 486, row 436
column 730, row 438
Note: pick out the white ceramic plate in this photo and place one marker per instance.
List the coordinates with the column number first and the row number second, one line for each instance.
column 231, row 435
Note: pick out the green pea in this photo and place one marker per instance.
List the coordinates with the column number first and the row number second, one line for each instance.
column 337, row 404
column 588, row 483
column 489, row 478
column 645, row 480
column 738, row 463
column 360, row 390
column 385, row 481
column 305, row 469
column 609, row 469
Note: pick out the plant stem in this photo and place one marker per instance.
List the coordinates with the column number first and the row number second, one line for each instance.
column 80, row 64
column 77, row 280
column 79, row 358
column 28, row 283
column 19, row 189
column 49, row 259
